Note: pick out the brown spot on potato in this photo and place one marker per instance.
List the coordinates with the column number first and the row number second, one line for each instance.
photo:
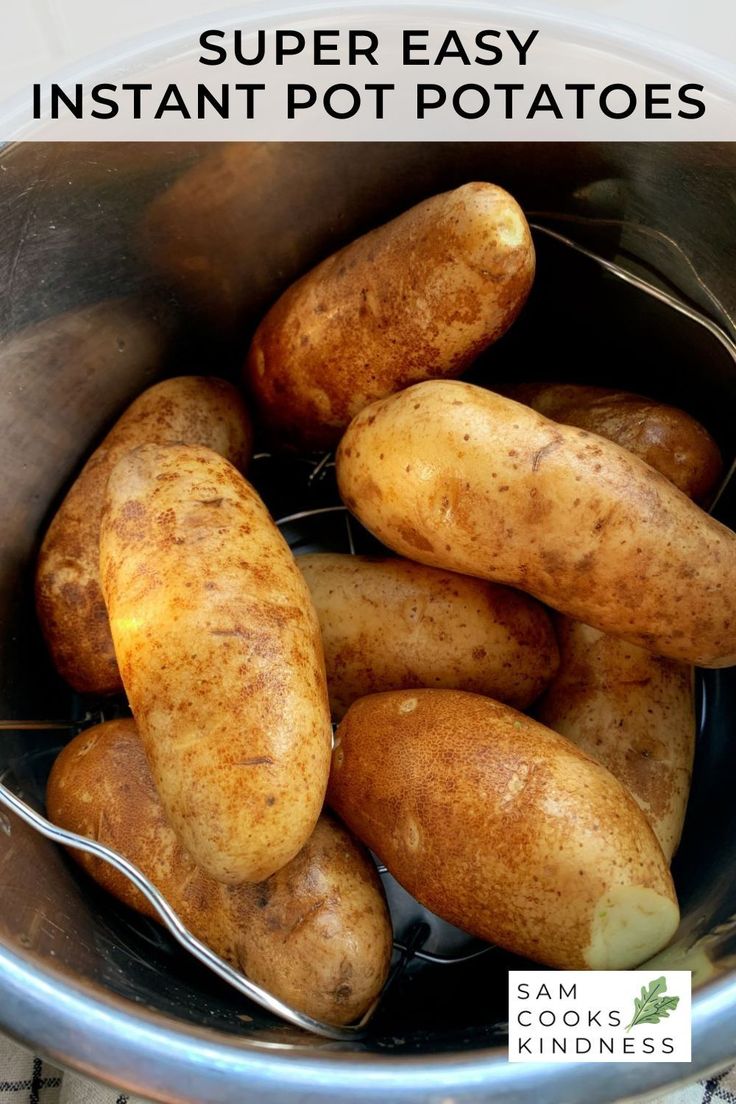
column 410, row 535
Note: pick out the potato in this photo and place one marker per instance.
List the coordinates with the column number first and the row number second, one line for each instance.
column 503, row 828
column 634, row 713
column 666, row 438
column 631, row 711
column 69, row 601
column 219, row 651
column 316, row 934
column 417, row 298
column 390, row 624
column 457, row 477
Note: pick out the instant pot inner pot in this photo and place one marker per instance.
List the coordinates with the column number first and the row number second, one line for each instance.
column 72, row 236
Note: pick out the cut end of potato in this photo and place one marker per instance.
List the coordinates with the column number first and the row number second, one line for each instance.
column 630, row 923
column 512, row 230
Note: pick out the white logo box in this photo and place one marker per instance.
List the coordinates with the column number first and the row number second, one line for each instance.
column 600, row 1015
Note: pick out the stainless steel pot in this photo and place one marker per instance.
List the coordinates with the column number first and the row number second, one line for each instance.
column 187, row 274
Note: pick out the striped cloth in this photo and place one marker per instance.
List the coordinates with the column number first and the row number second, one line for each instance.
column 25, row 1079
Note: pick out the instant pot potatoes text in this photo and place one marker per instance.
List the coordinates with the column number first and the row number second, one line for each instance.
column 634, row 713
column 390, row 624
column 219, row 650
column 458, row 477
column 504, row 828
column 316, row 934
column 71, row 609
column 417, row 298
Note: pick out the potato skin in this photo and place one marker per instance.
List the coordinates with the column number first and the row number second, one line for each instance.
column 71, row 609
column 457, row 477
column 316, row 934
column 415, row 299
column 219, row 650
column 503, row 827
column 631, row 711
column 664, row 437
column 390, row 624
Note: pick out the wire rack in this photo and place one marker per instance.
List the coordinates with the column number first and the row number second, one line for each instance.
column 325, row 525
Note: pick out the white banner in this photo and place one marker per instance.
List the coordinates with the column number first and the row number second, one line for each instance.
column 599, row 1016
column 372, row 72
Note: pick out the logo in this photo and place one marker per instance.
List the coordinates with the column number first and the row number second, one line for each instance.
column 653, row 1005
column 599, row 1016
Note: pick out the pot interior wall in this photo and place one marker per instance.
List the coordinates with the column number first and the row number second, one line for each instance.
column 85, row 225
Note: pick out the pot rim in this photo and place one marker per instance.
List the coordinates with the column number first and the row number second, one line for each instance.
column 134, row 1048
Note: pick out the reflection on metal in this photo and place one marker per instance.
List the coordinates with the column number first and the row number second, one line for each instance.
column 638, row 229
column 643, row 285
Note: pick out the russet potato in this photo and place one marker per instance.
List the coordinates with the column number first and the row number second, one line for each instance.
column 196, row 410
column 220, row 654
column 416, row 299
column 316, row 934
column 504, row 828
column 390, row 624
column 458, row 477
column 630, row 710
column 634, row 713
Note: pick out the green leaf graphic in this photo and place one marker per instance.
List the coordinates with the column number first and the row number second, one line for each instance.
column 654, row 1004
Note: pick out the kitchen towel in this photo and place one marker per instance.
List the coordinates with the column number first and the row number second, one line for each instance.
column 26, row 1079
